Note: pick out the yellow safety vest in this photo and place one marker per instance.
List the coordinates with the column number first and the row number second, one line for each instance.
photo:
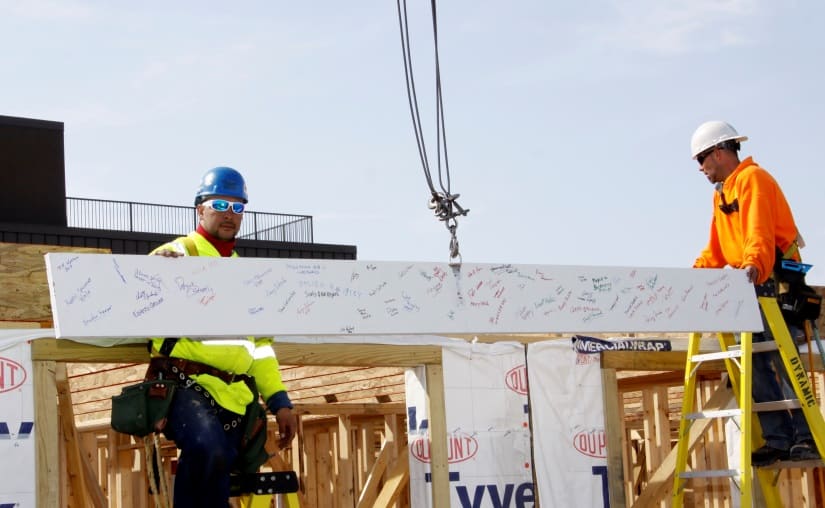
column 252, row 356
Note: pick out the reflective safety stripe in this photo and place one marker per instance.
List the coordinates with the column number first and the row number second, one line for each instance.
column 263, row 352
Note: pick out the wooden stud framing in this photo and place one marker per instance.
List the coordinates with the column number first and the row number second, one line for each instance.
column 438, row 435
column 47, row 460
column 613, row 434
column 346, row 473
column 398, row 477
column 48, row 352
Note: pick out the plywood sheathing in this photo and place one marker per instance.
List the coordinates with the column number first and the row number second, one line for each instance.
column 25, row 295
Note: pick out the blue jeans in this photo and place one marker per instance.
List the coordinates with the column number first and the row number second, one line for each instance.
column 207, row 451
column 780, row 429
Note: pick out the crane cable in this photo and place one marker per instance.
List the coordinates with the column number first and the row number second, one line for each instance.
column 443, row 203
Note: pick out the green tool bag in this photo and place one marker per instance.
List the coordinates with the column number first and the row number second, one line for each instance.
column 252, row 454
column 141, row 409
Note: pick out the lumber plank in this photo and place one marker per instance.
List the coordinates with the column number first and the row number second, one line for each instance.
column 112, row 466
column 397, row 479
column 437, row 412
column 345, row 479
column 668, row 378
column 66, row 416
column 347, row 408
column 370, row 491
column 375, row 355
column 384, row 298
column 307, row 436
column 367, row 453
column 660, row 361
column 613, row 413
column 19, row 325
column 324, row 467
column 338, row 376
column 47, row 461
column 647, row 361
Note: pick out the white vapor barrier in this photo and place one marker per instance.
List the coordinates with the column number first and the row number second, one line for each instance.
column 488, row 436
column 127, row 296
column 17, row 444
column 567, row 405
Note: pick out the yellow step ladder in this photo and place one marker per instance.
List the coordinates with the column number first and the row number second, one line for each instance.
column 738, row 360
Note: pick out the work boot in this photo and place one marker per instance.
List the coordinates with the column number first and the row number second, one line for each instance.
column 767, row 455
column 804, row 450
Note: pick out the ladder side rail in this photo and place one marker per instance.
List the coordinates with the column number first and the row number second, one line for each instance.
column 688, row 405
column 797, row 374
column 745, row 397
column 767, row 480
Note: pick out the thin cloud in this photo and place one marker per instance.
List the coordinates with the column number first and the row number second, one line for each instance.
column 46, row 9
column 681, row 27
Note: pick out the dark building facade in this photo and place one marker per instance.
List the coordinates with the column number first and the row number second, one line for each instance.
column 34, row 208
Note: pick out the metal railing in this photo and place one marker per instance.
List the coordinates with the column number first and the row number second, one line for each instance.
column 180, row 220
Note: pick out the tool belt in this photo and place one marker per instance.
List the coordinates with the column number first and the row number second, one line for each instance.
column 797, row 301
column 252, row 453
column 165, row 367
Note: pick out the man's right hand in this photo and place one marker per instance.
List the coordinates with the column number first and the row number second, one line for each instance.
column 752, row 273
column 287, row 426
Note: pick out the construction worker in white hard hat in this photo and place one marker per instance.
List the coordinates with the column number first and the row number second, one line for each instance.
column 752, row 226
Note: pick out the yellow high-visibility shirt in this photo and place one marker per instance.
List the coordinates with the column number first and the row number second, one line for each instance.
column 244, row 355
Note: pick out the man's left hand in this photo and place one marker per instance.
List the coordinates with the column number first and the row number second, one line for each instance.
column 287, row 426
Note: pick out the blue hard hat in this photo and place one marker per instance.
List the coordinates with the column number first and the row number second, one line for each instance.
column 221, row 181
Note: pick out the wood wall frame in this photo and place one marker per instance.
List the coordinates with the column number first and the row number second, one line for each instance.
column 47, row 352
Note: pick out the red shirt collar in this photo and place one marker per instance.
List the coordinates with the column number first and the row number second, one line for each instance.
column 224, row 247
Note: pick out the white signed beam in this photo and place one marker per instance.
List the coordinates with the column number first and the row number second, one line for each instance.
column 122, row 296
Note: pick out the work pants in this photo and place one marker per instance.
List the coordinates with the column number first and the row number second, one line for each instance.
column 780, row 429
column 207, row 451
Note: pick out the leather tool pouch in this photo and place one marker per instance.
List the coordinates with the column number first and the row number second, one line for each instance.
column 141, row 409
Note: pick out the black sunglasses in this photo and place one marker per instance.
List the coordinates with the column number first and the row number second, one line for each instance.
column 704, row 155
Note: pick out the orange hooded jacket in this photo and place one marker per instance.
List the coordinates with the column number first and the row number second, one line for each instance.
column 749, row 235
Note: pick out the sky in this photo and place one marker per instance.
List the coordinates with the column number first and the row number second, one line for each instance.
column 568, row 123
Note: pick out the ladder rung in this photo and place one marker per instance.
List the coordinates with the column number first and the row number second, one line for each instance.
column 734, row 352
column 711, row 473
column 718, row 413
column 719, row 355
column 758, row 347
column 776, row 405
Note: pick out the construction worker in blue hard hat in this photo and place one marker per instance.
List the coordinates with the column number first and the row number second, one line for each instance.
column 211, row 418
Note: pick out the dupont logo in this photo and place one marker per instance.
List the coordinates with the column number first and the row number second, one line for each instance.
column 12, row 375
column 516, row 379
column 592, row 443
column 460, row 447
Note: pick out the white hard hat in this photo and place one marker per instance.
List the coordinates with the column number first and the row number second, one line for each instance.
column 712, row 133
